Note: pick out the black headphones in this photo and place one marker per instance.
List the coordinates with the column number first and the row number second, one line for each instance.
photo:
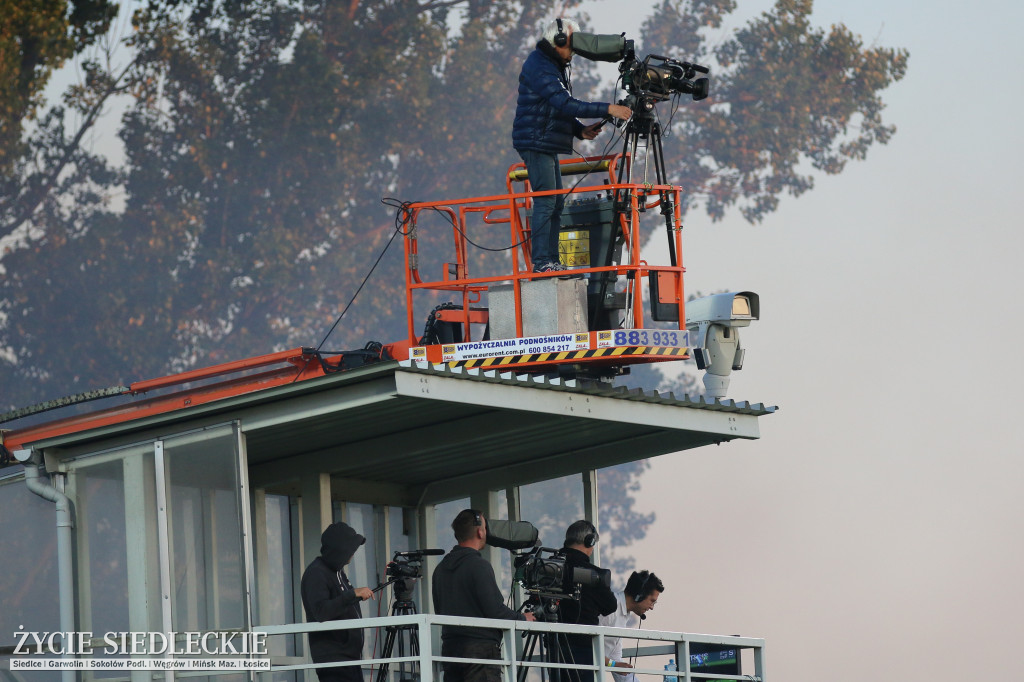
column 642, row 590
column 591, row 538
column 561, row 40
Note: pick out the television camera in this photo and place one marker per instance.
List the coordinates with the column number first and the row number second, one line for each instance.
column 648, row 81
column 542, row 571
column 653, row 79
column 404, row 569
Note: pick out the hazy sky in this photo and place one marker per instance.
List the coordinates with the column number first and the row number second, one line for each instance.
column 875, row 530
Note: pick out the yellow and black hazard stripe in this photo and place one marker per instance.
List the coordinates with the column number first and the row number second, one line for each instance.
column 570, row 356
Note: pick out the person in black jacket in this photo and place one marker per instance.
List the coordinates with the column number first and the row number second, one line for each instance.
column 547, row 120
column 328, row 595
column 464, row 585
column 595, row 600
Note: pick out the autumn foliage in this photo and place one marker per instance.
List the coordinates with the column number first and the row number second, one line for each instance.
column 260, row 137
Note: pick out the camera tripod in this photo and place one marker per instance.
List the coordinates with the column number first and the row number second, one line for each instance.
column 405, row 636
column 643, row 125
column 552, row 647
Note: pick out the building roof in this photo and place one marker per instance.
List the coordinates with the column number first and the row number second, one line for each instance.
column 417, row 433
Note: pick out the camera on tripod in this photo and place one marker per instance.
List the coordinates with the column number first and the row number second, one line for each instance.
column 658, row 78
column 407, row 564
column 653, row 79
column 402, row 572
column 405, row 568
column 544, row 573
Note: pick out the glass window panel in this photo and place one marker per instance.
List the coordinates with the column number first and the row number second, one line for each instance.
column 444, row 514
column 505, row 576
column 102, row 546
column 28, row 583
column 276, row 604
column 401, row 536
column 114, row 495
column 207, row 561
column 552, row 506
column 362, row 571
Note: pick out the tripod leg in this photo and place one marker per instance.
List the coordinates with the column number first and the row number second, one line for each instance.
column 389, row 646
column 667, row 208
column 528, row 646
column 414, row 650
column 401, row 667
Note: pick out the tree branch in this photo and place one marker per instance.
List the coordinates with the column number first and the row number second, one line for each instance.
column 35, row 197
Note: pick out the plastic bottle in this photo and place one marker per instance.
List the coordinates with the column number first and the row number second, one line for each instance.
column 671, row 665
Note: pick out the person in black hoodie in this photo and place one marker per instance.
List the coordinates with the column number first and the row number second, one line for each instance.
column 464, row 585
column 594, row 601
column 328, row 595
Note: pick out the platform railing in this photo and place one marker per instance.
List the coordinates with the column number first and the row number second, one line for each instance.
column 634, row 200
column 644, row 645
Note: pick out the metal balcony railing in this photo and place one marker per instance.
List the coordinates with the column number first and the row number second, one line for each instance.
column 696, row 654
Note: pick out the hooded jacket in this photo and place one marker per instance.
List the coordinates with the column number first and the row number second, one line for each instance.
column 328, row 595
column 464, row 585
column 546, row 113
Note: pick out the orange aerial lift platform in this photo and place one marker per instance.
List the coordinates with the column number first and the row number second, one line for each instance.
column 485, row 308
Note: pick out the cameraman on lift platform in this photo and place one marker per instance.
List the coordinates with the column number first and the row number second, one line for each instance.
column 546, row 122
column 595, row 600
column 464, row 585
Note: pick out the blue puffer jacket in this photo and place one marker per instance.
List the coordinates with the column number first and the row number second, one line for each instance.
column 546, row 114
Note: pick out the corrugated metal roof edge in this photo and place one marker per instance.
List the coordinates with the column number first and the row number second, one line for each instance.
column 373, row 371
column 590, row 388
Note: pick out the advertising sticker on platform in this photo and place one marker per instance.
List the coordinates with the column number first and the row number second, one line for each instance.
column 530, row 345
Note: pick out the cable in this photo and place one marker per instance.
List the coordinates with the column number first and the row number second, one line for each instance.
column 457, row 228
column 636, row 641
column 604, row 152
column 401, row 218
column 481, row 246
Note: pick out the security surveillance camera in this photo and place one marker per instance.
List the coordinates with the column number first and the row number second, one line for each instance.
column 714, row 322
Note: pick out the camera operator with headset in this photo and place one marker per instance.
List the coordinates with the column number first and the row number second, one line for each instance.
column 595, row 600
column 464, row 585
column 546, row 122
column 639, row 597
column 328, row 595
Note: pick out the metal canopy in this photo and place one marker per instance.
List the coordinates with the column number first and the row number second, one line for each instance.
column 398, row 433
column 432, row 434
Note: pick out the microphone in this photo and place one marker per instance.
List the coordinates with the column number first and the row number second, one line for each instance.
column 643, row 616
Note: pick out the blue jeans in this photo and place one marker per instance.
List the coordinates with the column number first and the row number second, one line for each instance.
column 547, row 211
